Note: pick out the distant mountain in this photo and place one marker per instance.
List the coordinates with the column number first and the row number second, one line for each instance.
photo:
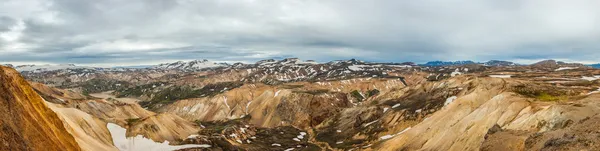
column 8, row 65
column 48, row 67
column 190, row 66
column 499, row 63
column 449, row 63
column 556, row 65
column 134, row 67
column 594, row 65
column 288, row 61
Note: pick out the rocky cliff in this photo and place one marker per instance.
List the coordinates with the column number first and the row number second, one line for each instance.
column 26, row 121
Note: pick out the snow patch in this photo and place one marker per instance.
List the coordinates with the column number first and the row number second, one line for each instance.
column 592, row 78
column 392, row 135
column 121, row 141
column 450, row 100
column 565, row 68
column 597, row 91
column 277, row 93
column 370, row 123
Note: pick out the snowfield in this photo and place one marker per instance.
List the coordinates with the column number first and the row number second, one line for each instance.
column 140, row 143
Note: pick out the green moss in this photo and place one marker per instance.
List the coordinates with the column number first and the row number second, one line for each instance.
column 373, row 92
column 139, row 90
column 175, row 93
column 100, row 85
column 547, row 97
column 356, row 94
column 314, row 92
column 541, row 93
column 291, row 86
column 132, row 121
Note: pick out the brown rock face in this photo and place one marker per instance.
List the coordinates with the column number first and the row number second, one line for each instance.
column 26, row 123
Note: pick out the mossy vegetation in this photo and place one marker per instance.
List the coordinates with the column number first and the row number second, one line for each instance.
column 372, row 92
column 291, row 86
column 175, row 93
column 97, row 85
column 132, row 121
column 314, row 92
column 542, row 93
column 211, row 127
column 357, row 95
column 137, row 91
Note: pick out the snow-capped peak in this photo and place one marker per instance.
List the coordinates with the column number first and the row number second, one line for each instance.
column 48, row 67
column 191, row 65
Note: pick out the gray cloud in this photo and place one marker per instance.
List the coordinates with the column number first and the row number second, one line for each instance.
column 153, row 31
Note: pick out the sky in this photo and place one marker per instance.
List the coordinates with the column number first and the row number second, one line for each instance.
column 141, row 32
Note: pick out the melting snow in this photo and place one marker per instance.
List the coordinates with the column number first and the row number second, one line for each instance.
column 121, row 141
column 396, row 105
column 277, row 93
column 565, row 68
column 597, row 91
column 450, row 100
column 455, row 73
column 193, row 136
column 593, row 78
column 392, row 135
column 370, row 123
column 247, row 105
column 275, row 144
column 386, row 137
column 289, row 149
column 385, row 109
column 225, row 101
column 301, row 136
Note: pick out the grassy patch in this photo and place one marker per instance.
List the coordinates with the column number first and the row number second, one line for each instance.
column 175, row 93
column 541, row 93
column 137, row 90
column 373, row 92
column 356, row 94
column 314, row 92
column 132, row 121
column 100, row 85
column 291, row 86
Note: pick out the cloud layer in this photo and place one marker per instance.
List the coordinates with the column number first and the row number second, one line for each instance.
column 117, row 32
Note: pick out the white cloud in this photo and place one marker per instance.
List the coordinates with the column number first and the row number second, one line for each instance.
column 380, row 30
column 128, row 45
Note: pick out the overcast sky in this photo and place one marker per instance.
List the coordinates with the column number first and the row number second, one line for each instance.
column 130, row 32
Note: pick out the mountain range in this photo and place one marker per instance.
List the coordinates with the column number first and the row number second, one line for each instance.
column 291, row 104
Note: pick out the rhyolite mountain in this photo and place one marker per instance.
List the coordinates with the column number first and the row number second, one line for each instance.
column 294, row 104
column 27, row 123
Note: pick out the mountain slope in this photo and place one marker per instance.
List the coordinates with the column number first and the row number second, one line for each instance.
column 89, row 132
column 27, row 123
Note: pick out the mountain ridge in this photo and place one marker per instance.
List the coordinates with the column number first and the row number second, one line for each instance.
column 27, row 122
